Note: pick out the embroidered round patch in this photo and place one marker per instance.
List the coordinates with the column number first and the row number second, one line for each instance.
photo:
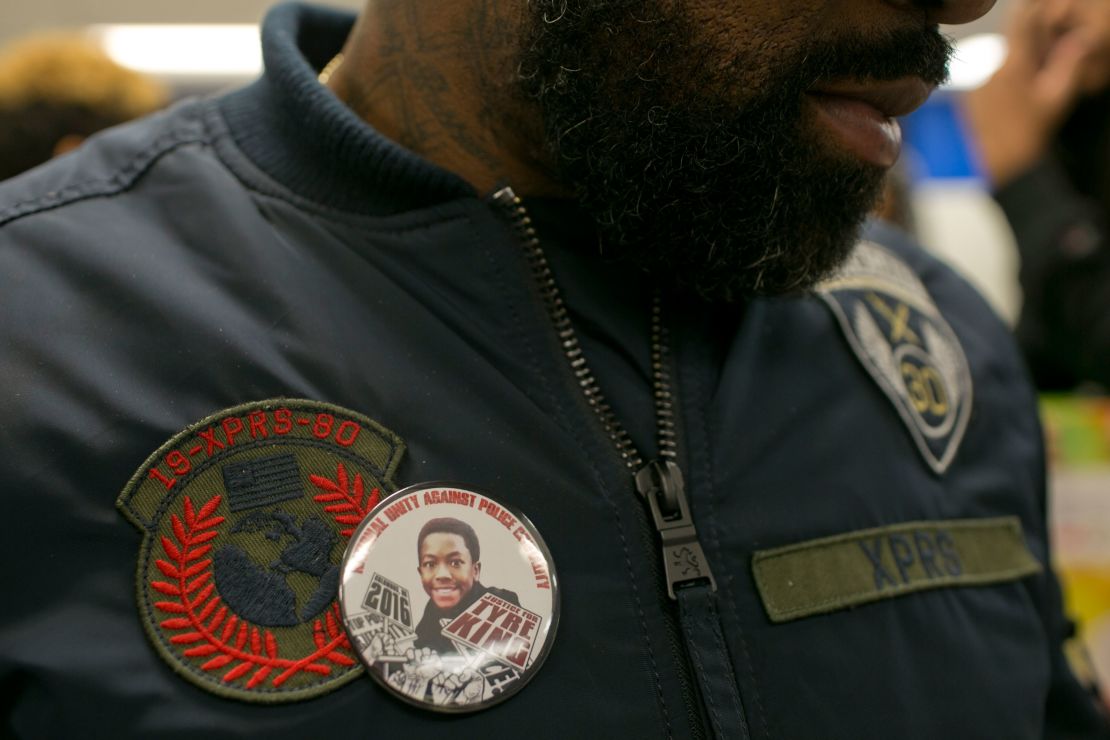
column 492, row 605
column 245, row 517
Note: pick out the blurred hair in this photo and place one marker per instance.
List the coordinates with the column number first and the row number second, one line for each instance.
column 62, row 84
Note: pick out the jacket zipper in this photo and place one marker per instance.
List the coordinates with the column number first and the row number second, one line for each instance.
column 659, row 482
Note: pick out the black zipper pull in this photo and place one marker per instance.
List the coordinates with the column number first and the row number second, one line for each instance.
column 660, row 483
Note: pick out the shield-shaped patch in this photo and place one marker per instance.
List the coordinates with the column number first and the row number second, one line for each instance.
column 901, row 338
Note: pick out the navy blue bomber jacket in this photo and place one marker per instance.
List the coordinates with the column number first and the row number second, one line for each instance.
column 863, row 462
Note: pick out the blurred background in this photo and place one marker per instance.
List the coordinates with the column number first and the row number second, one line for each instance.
column 942, row 195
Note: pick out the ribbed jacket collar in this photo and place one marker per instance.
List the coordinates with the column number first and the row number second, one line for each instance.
column 300, row 134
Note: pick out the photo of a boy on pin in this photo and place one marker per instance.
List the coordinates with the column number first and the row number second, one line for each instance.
column 449, row 565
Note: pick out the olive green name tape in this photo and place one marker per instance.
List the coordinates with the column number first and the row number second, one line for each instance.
column 856, row 568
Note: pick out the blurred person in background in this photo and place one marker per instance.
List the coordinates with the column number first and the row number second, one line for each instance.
column 59, row 88
column 1042, row 129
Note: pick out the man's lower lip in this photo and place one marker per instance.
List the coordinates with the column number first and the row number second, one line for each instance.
column 858, row 128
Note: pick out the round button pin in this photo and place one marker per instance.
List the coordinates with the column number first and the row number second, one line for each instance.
column 449, row 597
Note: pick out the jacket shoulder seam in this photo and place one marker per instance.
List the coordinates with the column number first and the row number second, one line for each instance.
column 115, row 183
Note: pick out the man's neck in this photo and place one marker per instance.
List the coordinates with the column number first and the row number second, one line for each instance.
column 439, row 79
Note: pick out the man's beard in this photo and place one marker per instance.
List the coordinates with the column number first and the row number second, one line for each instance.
column 700, row 171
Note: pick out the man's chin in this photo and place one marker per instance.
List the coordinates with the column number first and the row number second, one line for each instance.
column 781, row 279
column 765, row 208
column 790, row 256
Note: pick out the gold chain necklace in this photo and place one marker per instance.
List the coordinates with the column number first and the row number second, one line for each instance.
column 329, row 68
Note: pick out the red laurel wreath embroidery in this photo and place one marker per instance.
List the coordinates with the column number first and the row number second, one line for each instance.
column 211, row 631
column 348, row 500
